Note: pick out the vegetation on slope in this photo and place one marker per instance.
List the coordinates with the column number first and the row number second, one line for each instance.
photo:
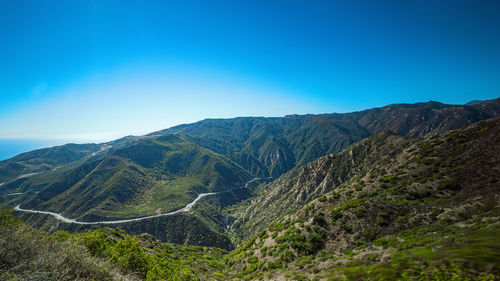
column 154, row 175
column 30, row 254
column 273, row 146
column 15, row 171
column 136, row 176
column 102, row 254
column 290, row 192
column 390, row 207
column 414, row 210
column 387, row 208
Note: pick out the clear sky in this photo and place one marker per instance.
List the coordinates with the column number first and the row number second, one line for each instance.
column 97, row 70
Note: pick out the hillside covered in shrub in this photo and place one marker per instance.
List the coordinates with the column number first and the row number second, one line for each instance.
column 386, row 208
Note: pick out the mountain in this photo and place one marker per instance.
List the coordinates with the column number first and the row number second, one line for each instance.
column 474, row 102
column 490, row 107
column 165, row 170
column 388, row 208
column 421, row 119
column 272, row 146
column 156, row 174
column 42, row 160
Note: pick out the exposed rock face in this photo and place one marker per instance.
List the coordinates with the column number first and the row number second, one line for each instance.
column 273, row 146
column 474, row 150
column 376, row 198
column 134, row 176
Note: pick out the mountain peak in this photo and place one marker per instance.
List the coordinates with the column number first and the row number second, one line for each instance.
column 473, row 102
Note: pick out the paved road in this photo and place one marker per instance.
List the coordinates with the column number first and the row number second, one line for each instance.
column 184, row 209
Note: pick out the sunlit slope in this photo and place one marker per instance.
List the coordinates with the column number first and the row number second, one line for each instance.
column 388, row 207
column 153, row 175
column 273, row 146
column 42, row 160
column 262, row 146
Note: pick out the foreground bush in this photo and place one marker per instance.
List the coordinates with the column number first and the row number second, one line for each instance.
column 30, row 254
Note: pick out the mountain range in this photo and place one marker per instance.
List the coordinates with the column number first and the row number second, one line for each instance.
column 337, row 195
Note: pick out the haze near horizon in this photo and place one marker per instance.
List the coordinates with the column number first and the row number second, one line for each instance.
column 93, row 71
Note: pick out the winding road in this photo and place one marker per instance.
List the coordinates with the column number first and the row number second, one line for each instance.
column 184, row 209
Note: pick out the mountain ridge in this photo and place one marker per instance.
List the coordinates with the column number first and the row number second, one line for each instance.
column 406, row 196
column 129, row 177
column 388, row 207
column 126, row 176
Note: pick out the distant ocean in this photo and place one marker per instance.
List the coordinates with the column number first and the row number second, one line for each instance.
column 10, row 148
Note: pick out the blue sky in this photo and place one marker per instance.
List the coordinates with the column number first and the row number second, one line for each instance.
column 98, row 70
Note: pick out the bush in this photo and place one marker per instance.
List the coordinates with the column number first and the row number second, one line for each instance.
column 369, row 234
column 97, row 242
column 275, row 264
column 130, row 256
column 448, row 184
column 387, row 179
column 320, row 220
column 287, row 256
column 29, row 254
column 253, row 259
column 386, row 242
column 381, row 218
column 314, row 239
column 336, row 212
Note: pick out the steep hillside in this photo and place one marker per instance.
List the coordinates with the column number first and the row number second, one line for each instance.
column 491, row 107
column 388, row 207
column 421, row 119
column 164, row 171
column 263, row 146
column 157, row 174
column 103, row 254
column 273, row 146
column 294, row 189
column 41, row 160
column 32, row 171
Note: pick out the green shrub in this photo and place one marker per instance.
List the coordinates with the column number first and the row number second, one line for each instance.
column 130, row 256
column 386, row 242
column 369, row 234
column 336, row 212
column 253, row 259
column 320, row 220
column 275, row 264
column 97, row 242
column 448, row 184
column 287, row 256
column 381, row 218
column 387, row 179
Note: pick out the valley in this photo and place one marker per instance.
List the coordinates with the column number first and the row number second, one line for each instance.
column 402, row 191
column 186, row 208
column 249, row 140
